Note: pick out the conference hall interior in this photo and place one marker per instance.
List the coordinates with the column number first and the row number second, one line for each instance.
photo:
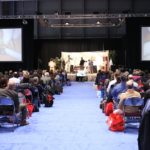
column 74, row 74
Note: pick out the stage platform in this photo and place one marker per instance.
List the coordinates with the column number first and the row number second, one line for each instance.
column 88, row 77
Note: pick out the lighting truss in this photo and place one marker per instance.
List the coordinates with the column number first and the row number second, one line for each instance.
column 75, row 16
column 111, row 20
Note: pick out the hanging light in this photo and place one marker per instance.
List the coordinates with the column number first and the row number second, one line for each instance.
column 24, row 21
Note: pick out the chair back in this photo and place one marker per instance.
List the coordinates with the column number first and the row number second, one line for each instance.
column 6, row 101
column 7, row 106
column 134, row 101
column 132, row 108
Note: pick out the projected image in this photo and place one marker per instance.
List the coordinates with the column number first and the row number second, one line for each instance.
column 10, row 45
column 145, row 44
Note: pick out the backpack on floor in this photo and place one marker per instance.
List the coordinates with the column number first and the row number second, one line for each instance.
column 116, row 122
column 109, row 108
column 26, row 99
column 48, row 100
column 30, row 108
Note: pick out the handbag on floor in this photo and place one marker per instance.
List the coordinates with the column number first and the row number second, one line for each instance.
column 109, row 108
column 116, row 122
column 49, row 100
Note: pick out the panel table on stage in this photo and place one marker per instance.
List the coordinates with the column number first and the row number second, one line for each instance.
column 71, row 76
column 76, row 69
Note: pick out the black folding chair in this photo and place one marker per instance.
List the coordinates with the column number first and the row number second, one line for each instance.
column 132, row 108
column 7, row 112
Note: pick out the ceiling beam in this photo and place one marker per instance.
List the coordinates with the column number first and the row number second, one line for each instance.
column 75, row 16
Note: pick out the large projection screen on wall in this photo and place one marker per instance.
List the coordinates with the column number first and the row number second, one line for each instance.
column 145, row 43
column 10, row 44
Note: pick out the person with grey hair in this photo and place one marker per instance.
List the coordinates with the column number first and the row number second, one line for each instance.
column 7, row 89
column 129, row 93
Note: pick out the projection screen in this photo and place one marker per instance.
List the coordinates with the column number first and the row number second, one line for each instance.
column 10, row 45
column 145, row 43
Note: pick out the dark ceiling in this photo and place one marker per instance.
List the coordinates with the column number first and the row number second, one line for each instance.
column 56, row 19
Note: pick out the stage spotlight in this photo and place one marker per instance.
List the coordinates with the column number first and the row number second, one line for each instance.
column 24, row 21
column 46, row 20
column 66, row 23
column 98, row 22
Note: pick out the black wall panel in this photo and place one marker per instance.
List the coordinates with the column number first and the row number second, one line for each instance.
column 134, row 42
column 27, row 41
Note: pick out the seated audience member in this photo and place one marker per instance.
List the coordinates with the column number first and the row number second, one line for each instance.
column 130, row 77
column 35, row 93
column 101, row 81
column 7, row 89
column 144, row 128
column 46, row 78
column 112, row 82
column 130, row 92
column 15, row 77
column 119, row 88
column 146, row 102
column 26, row 77
column 109, row 96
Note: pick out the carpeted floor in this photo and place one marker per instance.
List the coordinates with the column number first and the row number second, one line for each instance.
column 75, row 122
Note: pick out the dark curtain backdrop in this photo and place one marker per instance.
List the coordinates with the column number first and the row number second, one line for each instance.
column 52, row 48
column 38, row 52
column 27, row 45
column 133, row 40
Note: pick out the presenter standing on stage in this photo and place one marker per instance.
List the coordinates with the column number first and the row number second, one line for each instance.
column 82, row 61
column 90, row 64
column 52, row 65
column 68, row 64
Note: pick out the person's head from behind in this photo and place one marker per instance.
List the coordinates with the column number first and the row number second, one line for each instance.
column 3, row 82
column 118, row 79
column 15, row 74
column 46, row 74
column 26, row 76
column 35, row 80
column 123, row 78
column 130, row 77
column 129, row 84
column 11, row 84
column 116, row 75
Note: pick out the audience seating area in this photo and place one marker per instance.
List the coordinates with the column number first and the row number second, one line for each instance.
column 124, row 97
column 22, row 93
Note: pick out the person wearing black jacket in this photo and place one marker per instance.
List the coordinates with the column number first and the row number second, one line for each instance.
column 144, row 129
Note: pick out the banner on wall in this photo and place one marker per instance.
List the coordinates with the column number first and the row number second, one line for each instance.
column 100, row 59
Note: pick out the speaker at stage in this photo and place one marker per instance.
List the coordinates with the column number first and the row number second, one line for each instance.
column 81, row 76
column 99, row 58
column 71, row 68
column 95, row 69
